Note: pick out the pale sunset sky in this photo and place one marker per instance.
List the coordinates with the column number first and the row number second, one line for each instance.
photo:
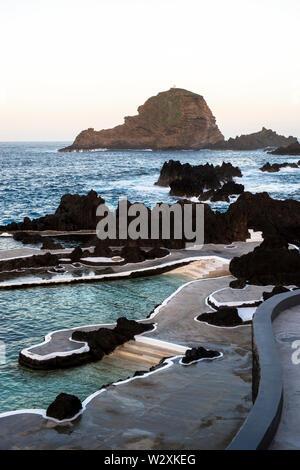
column 67, row 65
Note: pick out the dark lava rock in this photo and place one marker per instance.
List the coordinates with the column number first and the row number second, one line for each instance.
column 257, row 140
column 271, row 263
column 224, row 316
column 75, row 212
column 277, row 290
column 102, row 249
column 65, row 406
column 292, row 149
column 237, row 284
column 222, row 194
column 28, row 238
column 133, row 254
column 78, row 253
column 104, row 340
column 36, row 261
column 48, row 244
column 130, row 328
column 278, row 218
column 275, row 167
column 186, row 180
column 195, row 354
column 156, row 252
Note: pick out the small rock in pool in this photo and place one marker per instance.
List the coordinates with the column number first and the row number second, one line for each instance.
column 65, row 406
column 195, row 354
column 223, row 317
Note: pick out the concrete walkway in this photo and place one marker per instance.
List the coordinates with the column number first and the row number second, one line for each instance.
column 287, row 330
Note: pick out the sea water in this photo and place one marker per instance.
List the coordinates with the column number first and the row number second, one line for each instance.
column 27, row 315
column 34, row 176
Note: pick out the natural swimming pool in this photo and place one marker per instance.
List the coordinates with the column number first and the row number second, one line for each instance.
column 27, row 315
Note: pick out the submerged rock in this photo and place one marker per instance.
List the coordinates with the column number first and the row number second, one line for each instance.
column 258, row 140
column 223, row 317
column 275, row 167
column 195, row 354
column 65, row 406
column 292, row 149
column 173, row 119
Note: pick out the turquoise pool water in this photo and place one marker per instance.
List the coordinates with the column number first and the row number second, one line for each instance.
column 27, row 315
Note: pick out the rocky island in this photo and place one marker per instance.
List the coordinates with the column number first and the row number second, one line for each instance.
column 173, row 120
column 257, row 140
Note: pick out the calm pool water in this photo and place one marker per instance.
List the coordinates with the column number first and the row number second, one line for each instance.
column 27, row 315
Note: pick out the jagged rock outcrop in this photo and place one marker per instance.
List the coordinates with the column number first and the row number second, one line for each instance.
column 258, row 140
column 195, row 354
column 275, row 167
column 65, row 406
column 271, row 263
column 75, row 212
column 222, row 194
column 28, row 238
column 35, row 261
column 186, row 180
column 224, row 316
column 49, row 244
column 174, row 119
column 271, row 216
column 277, row 290
column 292, row 149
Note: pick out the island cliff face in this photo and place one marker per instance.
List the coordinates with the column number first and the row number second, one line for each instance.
column 173, row 120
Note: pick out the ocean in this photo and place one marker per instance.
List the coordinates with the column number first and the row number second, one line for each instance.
column 34, row 176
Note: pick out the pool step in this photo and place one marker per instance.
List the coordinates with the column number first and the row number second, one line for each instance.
column 150, row 350
column 204, row 269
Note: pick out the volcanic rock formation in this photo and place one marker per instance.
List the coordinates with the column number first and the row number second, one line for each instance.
column 292, row 149
column 271, row 263
column 75, row 212
column 65, row 406
column 195, row 354
column 275, row 167
column 271, row 216
column 224, row 316
column 258, row 140
column 174, row 119
column 186, row 180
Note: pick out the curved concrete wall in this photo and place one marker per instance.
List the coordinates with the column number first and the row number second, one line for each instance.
column 261, row 425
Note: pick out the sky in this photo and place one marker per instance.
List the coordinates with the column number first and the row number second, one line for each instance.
column 66, row 65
